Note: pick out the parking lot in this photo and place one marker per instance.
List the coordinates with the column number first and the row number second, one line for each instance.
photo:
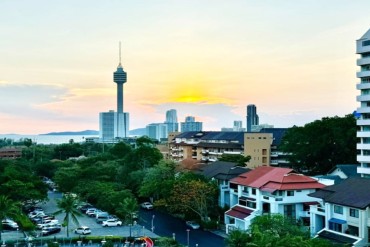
column 96, row 229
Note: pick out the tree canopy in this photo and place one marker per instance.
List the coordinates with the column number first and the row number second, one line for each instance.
column 318, row 146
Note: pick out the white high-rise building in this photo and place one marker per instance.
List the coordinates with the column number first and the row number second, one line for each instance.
column 171, row 121
column 363, row 122
column 157, row 131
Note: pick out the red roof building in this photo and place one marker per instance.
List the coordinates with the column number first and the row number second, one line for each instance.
column 270, row 190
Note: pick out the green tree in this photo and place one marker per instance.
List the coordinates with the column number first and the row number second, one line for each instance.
column 67, row 206
column 127, row 208
column 237, row 238
column 241, row 160
column 318, row 146
column 8, row 209
column 166, row 242
column 158, row 181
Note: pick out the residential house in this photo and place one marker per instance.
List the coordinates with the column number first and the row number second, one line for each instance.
column 269, row 190
column 222, row 172
column 344, row 215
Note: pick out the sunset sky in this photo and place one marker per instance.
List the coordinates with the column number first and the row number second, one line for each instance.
column 295, row 60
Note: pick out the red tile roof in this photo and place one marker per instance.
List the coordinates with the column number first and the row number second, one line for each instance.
column 275, row 178
column 239, row 212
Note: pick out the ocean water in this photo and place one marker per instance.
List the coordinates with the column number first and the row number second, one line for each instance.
column 48, row 139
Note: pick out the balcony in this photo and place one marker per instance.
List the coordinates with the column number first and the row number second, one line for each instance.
column 205, row 151
column 363, row 146
column 363, row 122
column 232, row 152
column 363, row 85
column 363, row 134
column 363, row 61
column 365, row 97
column 363, row 170
column 365, row 73
column 316, row 209
column 360, row 48
column 363, row 110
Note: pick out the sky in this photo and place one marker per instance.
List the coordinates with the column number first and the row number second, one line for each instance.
column 295, row 60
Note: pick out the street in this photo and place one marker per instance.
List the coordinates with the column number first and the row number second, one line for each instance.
column 169, row 226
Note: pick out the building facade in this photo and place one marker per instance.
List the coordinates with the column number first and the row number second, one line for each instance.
column 171, row 121
column 363, row 121
column 157, row 131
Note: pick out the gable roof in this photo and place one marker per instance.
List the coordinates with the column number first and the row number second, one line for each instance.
column 352, row 192
column 275, row 178
column 223, row 170
column 350, row 170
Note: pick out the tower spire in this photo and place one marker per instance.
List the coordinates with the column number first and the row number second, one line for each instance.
column 120, row 64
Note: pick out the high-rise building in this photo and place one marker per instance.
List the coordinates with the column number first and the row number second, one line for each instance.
column 171, row 121
column 363, row 122
column 112, row 124
column 252, row 117
column 157, row 131
column 191, row 125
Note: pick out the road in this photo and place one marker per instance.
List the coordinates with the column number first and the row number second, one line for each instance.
column 166, row 225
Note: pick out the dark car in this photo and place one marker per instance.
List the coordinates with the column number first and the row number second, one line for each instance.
column 50, row 230
column 8, row 224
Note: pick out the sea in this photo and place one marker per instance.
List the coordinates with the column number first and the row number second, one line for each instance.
column 48, row 139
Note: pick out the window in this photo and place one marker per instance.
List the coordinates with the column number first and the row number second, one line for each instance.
column 251, row 204
column 290, row 193
column 366, row 43
column 335, row 227
column 289, row 211
column 352, row 230
column 353, row 212
column 338, row 209
column 253, row 191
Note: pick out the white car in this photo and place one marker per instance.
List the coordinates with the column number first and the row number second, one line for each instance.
column 192, row 224
column 112, row 222
column 83, row 230
column 48, row 224
column 146, row 205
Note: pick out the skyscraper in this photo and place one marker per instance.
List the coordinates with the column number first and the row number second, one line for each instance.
column 252, row 117
column 171, row 121
column 191, row 125
column 116, row 121
column 363, row 112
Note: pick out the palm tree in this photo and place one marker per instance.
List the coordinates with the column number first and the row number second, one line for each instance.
column 8, row 209
column 237, row 238
column 128, row 207
column 67, row 205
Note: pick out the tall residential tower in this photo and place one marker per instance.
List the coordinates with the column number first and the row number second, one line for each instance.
column 363, row 122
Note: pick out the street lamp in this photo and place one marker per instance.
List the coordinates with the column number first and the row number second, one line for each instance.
column 188, row 230
column 153, row 223
column 174, row 236
column 130, row 229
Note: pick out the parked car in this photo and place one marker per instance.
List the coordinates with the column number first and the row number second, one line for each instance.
column 101, row 218
column 146, row 205
column 83, row 230
column 112, row 222
column 48, row 224
column 192, row 224
column 84, row 207
column 9, row 224
column 50, row 230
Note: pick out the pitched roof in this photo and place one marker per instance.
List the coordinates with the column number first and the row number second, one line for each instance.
column 275, row 178
column 350, row 170
column 223, row 170
column 239, row 212
column 352, row 192
column 214, row 135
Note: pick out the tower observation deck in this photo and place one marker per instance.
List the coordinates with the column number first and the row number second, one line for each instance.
column 120, row 77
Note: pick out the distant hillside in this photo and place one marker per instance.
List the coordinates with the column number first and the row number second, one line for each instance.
column 84, row 132
column 138, row 132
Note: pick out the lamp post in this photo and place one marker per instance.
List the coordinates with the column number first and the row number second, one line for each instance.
column 188, row 230
column 130, row 229
column 174, row 236
column 153, row 222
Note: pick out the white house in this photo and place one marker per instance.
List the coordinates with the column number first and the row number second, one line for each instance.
column 269, row 190
column 343, row 216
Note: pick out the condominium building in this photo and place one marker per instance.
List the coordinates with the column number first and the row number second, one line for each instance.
column 363, row 122
column 191, row 125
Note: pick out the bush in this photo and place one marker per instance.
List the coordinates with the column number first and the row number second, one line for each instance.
column 209, row 225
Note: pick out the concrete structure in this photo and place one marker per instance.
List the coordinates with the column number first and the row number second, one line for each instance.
column 237, row 126
column 363, row 121
column 191, row 125
column 252, row 117
column 343, row 215
column 157, row 131
column 10, row 153
column 171, row 121
column 113, row 125
column 257, row 145
column 270, row 190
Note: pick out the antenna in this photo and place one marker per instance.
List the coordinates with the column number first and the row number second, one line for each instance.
column 120, row 52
